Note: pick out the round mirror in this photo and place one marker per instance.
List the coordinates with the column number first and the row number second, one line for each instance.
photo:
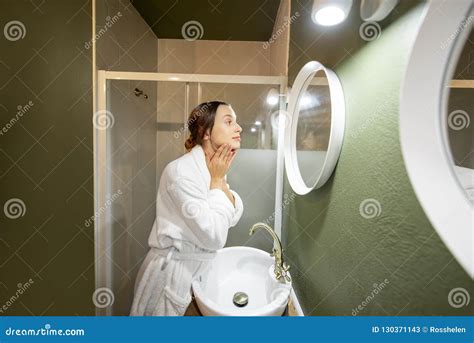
column 425, row 123
column 458, row 117
column 313, row 138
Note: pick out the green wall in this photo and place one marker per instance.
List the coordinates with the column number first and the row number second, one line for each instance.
column 46, row 254
column 394, row 262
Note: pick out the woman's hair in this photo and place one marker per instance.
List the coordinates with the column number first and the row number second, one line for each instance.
column 201, row 119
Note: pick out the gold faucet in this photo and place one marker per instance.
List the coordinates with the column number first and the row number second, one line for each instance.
column 281, row 268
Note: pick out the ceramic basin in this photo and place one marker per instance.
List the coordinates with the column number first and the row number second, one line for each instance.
column 241, row 269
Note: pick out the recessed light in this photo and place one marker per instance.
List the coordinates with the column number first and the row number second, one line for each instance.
column 330, row 12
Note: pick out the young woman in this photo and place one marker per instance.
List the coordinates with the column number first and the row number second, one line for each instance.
column 194, row 210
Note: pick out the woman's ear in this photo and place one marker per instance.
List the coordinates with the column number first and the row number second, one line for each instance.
column 206, row 136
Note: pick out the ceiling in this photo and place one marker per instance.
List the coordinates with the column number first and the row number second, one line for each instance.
column 241, row 20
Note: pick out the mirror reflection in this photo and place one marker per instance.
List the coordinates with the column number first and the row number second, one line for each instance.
column 313, row 128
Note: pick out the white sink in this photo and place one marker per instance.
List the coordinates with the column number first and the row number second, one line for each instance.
column 241, row 269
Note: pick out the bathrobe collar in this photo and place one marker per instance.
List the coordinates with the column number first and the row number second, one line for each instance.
column 200, row 158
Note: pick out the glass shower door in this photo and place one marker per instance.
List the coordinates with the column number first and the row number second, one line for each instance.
column 144, row 133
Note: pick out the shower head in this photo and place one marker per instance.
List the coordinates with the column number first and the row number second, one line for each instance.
column 139, row 92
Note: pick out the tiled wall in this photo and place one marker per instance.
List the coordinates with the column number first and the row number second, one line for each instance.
column 46, row 158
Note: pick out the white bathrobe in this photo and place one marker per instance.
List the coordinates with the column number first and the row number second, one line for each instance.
column 191, row 223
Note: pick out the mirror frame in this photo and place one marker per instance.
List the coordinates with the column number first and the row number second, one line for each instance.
column 438, row 190
column 336, row 136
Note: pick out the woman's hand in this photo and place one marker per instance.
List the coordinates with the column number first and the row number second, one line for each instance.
column 219, row 163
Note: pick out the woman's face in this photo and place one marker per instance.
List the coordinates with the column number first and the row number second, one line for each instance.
column 226, row 129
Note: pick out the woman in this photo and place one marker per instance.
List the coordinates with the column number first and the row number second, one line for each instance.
column 194, row 210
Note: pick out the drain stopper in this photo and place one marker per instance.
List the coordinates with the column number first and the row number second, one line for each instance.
column 240, row 299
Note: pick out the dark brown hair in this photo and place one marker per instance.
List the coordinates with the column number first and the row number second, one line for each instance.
column 201, row 119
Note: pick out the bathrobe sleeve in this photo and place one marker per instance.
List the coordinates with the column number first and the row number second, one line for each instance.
column 239, row 208
column 209, row 217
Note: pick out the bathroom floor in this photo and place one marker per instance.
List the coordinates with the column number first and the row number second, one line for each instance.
column 193, row 309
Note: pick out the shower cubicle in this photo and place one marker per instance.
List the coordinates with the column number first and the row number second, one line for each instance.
column 139, row 127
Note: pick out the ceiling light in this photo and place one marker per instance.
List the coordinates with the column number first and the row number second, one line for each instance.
column 330, row 12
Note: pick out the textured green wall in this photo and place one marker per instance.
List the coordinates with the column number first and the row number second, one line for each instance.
column 338, row 257
column 46, row 159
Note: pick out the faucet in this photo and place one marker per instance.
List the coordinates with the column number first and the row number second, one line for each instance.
column 281, row 268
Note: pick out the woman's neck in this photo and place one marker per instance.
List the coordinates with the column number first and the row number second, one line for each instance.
column 208, row 148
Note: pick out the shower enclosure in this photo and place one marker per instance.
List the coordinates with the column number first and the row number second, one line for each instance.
column 139, row 127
